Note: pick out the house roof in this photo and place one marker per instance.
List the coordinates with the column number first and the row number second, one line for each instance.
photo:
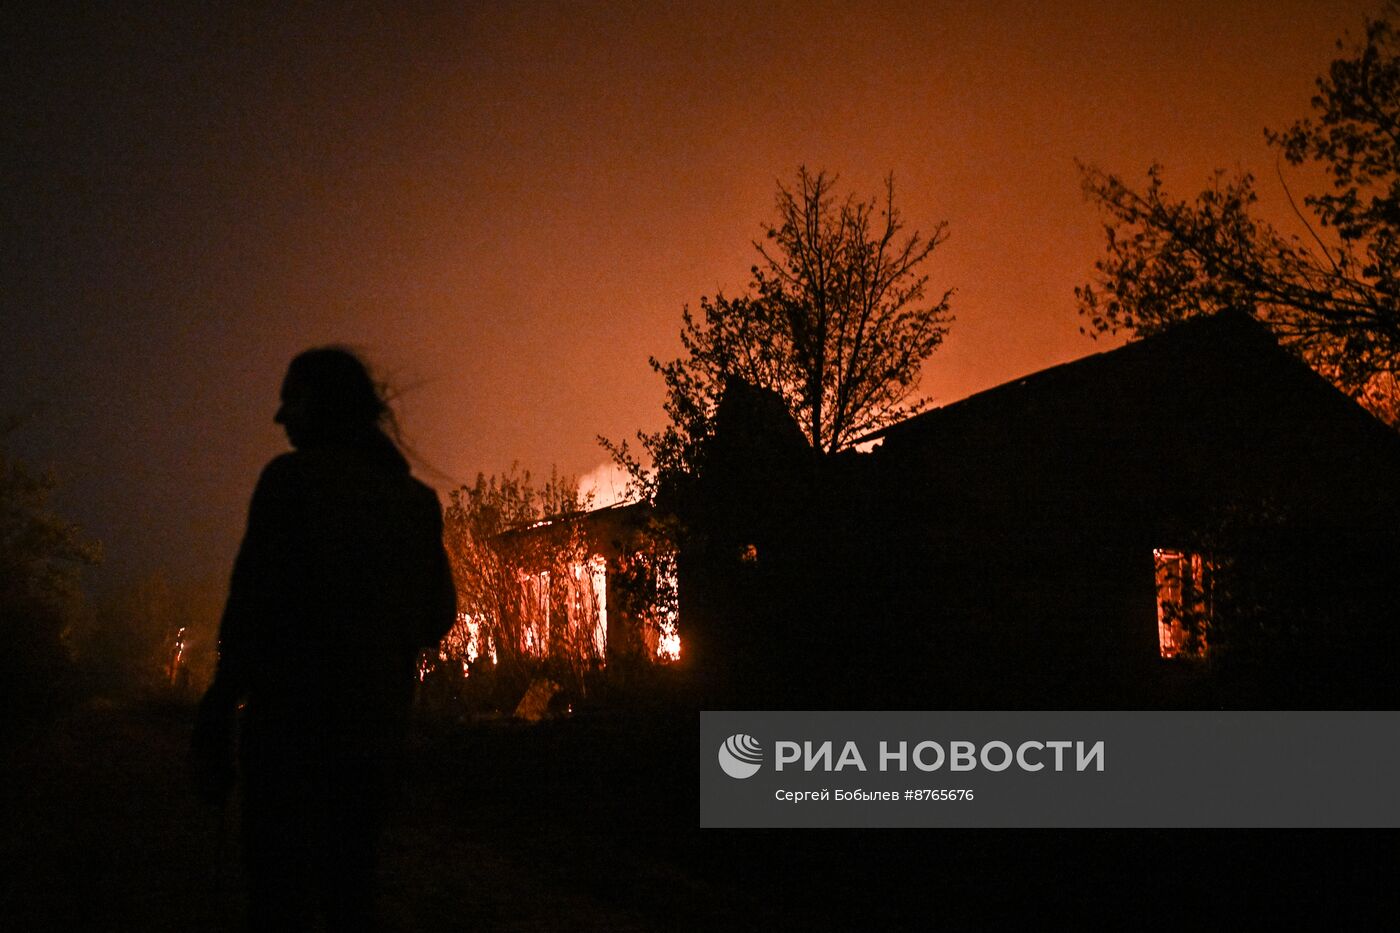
column 622, row 511
column 1223, row 343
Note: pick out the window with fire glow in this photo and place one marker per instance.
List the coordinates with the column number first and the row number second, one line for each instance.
column 1183, row 603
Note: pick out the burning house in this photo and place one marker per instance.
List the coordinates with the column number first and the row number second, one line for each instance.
column 1098, row 533
column 632, row 576
column 558, row 599
column 1193, row 518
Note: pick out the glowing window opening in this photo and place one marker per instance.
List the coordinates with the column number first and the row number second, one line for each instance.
column 1183, row 603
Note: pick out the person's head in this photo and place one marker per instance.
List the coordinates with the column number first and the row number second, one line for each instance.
column 328, row 395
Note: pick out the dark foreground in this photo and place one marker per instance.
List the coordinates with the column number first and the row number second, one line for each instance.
column 591, row 825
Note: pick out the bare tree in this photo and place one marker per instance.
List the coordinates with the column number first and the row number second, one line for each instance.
column 836, row 320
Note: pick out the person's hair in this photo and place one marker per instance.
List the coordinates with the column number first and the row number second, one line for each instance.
column 346, row 404
column 339, row 392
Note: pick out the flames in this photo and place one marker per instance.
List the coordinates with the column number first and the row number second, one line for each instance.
column 565, row 613
column 668, row 647
column 666, row 616
column 1183, row 602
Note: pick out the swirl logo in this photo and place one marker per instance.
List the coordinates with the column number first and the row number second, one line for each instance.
column 740, row 756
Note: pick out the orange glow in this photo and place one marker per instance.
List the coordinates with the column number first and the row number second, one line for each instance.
column 464, row 643
column 598, row 578
column 669, row 646
column 545, row 192
column 567, row 615
column 1183, row 603
column 668, row 643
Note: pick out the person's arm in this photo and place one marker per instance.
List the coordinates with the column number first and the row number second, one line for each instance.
column 252, row 588
column 258, row 584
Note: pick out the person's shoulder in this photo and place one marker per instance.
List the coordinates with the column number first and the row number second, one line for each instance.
column 292, row 461
column 423, row 492
column 280, row 485
column 283, row 470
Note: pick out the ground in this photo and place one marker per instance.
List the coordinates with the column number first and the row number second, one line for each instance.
column 586, row 825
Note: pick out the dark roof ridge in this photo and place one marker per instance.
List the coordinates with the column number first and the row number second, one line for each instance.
column 1237, row 320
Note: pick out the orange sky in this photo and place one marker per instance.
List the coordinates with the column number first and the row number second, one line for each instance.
column 507, row 208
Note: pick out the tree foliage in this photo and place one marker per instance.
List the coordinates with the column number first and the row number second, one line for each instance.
column 41, row 555
column 1333, row 294
column 40, row 552
column 836, row 320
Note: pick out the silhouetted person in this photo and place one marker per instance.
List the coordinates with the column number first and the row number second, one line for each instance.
column 340, row 582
